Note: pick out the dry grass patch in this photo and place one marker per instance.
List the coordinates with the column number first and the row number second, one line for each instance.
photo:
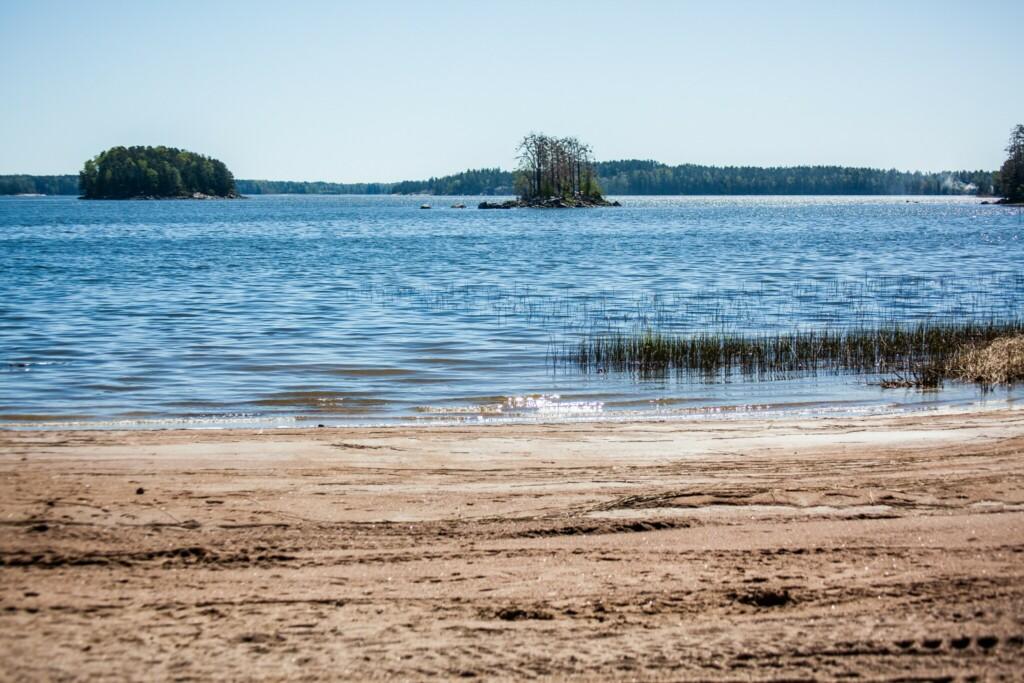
column 998, row 362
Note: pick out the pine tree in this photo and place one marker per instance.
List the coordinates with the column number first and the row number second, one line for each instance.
column 1011, row 175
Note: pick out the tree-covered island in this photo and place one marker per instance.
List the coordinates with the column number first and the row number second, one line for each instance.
column 155, row 173
column 556, row 173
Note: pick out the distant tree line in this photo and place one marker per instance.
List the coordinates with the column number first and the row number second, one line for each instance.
column 637, row 177
column 641, row 178
column 485, row 181
column 650, row 177
column 38, row 184
column 1011, row 174
column 317, row 187
column 125, row 172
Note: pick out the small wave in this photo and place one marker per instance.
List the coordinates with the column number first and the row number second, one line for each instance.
column 484, row 409
column 25, row 366
column 552, row 405
column 224, row 421
column 371, row 372
column 320, row 401
column 461, row 416
column 537, row 405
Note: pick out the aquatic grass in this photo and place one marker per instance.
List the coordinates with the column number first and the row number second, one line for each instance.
column 771, row 305
column 917, row 354
column 902, row 327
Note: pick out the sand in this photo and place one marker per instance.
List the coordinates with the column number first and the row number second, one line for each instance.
column 873, row 547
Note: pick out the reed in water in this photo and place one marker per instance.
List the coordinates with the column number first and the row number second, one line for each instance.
column 915, row 355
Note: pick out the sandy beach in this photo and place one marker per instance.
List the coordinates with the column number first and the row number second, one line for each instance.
column 869, row 548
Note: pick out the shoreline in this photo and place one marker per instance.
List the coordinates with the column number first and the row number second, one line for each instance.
column 883, row 422
column 811, row 548
column 456, row 419
column 198, row 196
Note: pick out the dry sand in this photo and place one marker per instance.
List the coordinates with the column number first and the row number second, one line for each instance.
column 870, row 547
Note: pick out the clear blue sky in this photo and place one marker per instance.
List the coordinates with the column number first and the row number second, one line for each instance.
column 393, row 90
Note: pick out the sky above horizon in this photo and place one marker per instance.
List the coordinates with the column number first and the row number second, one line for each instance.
column 389, row 91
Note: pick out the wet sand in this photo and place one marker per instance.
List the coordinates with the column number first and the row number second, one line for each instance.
column 865, row 547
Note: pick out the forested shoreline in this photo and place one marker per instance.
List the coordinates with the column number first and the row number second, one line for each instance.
column 627, row 177
column 38, row 184
column 640, row 177
column 314, row 187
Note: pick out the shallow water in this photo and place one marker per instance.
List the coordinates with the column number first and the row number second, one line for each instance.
column 274, row 310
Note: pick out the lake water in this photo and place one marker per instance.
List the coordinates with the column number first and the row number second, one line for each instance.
column 296, row 310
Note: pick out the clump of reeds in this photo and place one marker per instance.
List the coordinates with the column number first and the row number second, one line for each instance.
column 928, row 374
column 918, row 354
column 998, row 362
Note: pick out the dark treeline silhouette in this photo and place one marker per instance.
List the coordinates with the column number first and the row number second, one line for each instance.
column 625, row 178
column 38, row 184
column 1011, row 175
column 485, row 181
column 315, row 187
column 651, row 177
column 639, row 177
column 126, row 172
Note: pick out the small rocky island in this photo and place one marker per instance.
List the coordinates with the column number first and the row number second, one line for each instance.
column 549, row 203
column 554, row 173
column 155, row 173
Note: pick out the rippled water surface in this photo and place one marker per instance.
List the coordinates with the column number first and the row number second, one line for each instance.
column 367, row 309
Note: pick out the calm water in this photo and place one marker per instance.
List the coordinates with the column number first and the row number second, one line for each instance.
column 367, row 309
